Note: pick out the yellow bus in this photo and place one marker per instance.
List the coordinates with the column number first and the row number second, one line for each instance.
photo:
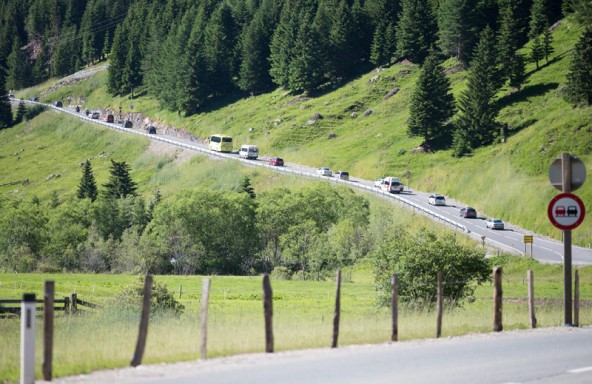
column 221, row 143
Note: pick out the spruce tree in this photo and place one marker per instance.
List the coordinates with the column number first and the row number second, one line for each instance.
column 5, row 109
column 254, row 67
column 547, row 44
column 248, row 188
column 416, row 31
column 380, row 50
column 432, row 103
column 344, row 45
column 21, row 111
column 579, row 80
column 538, row 18
column 120, row 184
column 537, row 51
column 508, row 38
column 517, row 72
column 18, row 70
column 282, row 43
column 87, row 188
column 306, row 68
column 478, row 109
column 457, row 25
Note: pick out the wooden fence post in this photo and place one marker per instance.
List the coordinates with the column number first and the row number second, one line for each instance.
column 268, row 313
column 533, row 320
column 180, row 291
column 48, row 313
column 143, row 331
column 337, row 311
column 74, row 303
column 576, row 299
column 439, row 307
column 497, row 299
column 66, row 305
column 394, row 306
column 205, row 297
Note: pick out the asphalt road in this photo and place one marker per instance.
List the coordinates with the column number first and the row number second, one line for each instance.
column 543, row 356
column 544, row 249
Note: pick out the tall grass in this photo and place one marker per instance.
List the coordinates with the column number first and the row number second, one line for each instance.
column 303, row 314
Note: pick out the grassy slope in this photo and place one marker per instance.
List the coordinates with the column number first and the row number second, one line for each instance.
column 507, row 180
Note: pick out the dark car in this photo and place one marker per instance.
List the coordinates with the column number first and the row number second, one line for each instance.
column 277, row 161
column 109, row 118
column 151, row 129
column 468, row 212
column 59, row 104
column 128, row 124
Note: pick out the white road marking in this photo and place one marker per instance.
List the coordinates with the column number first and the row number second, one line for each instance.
column 580, row 370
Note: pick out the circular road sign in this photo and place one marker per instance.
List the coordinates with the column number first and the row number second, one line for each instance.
column 566, row 211
column 578, row 173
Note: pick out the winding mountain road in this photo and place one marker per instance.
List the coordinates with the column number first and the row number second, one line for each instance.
column 544, row 249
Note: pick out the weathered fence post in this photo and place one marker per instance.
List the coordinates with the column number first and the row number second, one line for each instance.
column 394, row 306
column 533, row 320
column 46, row 366
column 28, row 339
column 143, row 331
column 576, row 300
column 268, row 313
column 74, row 303
column 205, row 297
column 66, row 305
column 180, row 291
column 337, row 311
column 439, row 307
column 497, row 299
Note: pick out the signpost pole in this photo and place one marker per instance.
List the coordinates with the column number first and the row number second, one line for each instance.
column 566, row 188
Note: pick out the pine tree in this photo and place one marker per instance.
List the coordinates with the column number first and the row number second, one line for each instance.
column 254, row 67
column 18, row 70
column 344, row 46
column 508, row 38
column 120, row 184
column 537, row 51
column 87, row 188
column 538, row 18
column 517, row 71
column 306, row 68
column 282, row 43
column 477, row 106
column 416, row 31
column 547, row 44
column 457, row 24
column 248, row 188
column 579, row 80
column 20, row 112
column 5, row 109
column 432, row 103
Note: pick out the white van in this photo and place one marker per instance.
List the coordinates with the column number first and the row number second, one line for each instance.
column 392, row 185
column 249, row 152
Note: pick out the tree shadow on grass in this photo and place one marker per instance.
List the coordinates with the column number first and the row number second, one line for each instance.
column 526, row 93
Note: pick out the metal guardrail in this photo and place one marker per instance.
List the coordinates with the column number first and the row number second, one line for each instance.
column 252, row 163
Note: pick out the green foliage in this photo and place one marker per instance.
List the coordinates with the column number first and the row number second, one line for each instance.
column 120, row 184
column 247, row 188
column 87, row 187
column 416, row 30
column 537, row 51
column 162, row 301
column 477, row 121
column 548, row 44
column 417, row 259
column 432, row 103
column 5, row 109
column 458, row 26
column 517, row 71
column 579, row 81
column 539, row 20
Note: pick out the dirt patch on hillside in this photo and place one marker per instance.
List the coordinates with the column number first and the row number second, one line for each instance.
column 180, row 155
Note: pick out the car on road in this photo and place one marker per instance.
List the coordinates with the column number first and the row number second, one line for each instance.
column 95, row 115
column 151, row 129
column 276, row 161
column 468, row 213
column 392, row 185
column 378, row 182
column 494, row 223
column 59, row 104
column 128, row 124
column 343, row 175
column 324, row 172
column 436, row 200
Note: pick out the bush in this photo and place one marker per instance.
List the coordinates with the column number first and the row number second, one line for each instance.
column 161, row 301
column 417, row 261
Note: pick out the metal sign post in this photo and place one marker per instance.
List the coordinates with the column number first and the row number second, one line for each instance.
column 571, row 176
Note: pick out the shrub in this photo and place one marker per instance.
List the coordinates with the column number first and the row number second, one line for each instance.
column 161, row 301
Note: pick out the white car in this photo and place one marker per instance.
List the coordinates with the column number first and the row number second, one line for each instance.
column 324, row 171
column 495, row 223
column 436, row 200
column 378, row 182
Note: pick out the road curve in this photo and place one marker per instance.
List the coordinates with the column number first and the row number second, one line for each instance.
column 544, row 249
column 543, row 356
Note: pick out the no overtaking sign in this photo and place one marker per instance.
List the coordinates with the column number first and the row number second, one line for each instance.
column 566, row 211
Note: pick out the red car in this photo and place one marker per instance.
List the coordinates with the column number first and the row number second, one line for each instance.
column 277, row 161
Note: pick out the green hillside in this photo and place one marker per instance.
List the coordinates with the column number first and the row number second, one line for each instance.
column 508, row 180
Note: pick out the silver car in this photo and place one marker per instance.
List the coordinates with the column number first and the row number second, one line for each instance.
column 325, row 172
column 495, row 223
column 437, row 200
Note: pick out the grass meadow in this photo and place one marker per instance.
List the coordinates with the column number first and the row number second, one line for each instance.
column 303, row 315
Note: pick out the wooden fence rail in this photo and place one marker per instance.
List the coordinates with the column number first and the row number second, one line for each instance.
column 12, row 306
